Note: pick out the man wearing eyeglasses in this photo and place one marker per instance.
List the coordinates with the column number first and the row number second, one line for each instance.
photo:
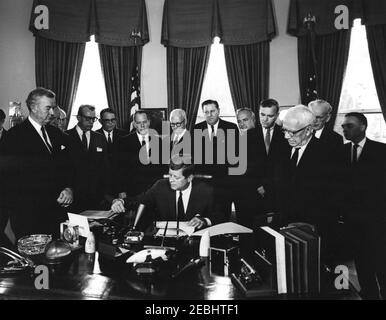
column 306, row 171
column 179, row 133
column 59, row 119
column 109, row 130
column 90, row 156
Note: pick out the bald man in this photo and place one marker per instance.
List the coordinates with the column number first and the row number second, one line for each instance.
column 322, row 111
column 59, row 119
column 306, row 167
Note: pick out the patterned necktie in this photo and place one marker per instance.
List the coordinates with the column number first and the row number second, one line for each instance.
column 46, row 139
column 180, row 208
column 84, row 141
column 267, row 140
column 355, row 153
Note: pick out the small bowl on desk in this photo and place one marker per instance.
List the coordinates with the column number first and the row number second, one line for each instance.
column 33, row 245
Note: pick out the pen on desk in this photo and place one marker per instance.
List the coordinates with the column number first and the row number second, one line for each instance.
column 163, row 238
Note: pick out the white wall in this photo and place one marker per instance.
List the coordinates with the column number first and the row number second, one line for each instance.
column 17, row 59
column 284, row 80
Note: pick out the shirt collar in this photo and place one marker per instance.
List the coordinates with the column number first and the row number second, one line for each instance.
column 360, row 143
column 187, row 190
column 106, row 133
column 36, row 125
column 214, row 125
column 140, row 136
column 178, row 137
column 319, row 132
column 80, row 131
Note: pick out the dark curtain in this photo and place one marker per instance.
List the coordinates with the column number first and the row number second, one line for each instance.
column 119, row 65
column 58, row 65
column 376, row 38
column 248, row 73
column 331, row 55
column 186, row 69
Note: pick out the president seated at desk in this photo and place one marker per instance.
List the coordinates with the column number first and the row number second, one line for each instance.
column 178, row 198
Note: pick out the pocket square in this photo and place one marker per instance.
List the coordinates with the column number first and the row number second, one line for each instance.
column 99, row 149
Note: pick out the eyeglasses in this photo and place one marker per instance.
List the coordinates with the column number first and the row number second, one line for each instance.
column 109, row 120
column 177, row 124
column 292, row 133
column 92, row 119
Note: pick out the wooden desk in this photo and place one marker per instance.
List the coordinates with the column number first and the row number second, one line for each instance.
column 91, row 276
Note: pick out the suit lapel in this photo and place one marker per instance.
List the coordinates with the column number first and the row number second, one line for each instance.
column 172, row 203
column 36, row 137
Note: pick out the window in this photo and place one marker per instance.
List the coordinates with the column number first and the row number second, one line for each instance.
column 91, row 89
column 359, row 93
column 216, row 86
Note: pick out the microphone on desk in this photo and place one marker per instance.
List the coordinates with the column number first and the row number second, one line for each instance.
column 140, row 210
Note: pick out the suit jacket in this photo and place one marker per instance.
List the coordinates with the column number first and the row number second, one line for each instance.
column 305, row 190
column 117, row 134
column 365, row 196
column 160, row 203
column 34, row 177
column 3, row 135
column 92, row 171
column 132, row 176
column 216, row 170
column 278, row 150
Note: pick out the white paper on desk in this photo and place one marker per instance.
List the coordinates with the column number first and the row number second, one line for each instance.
column 97, row 214
column 141, row 256
column 172, row 225
column 81, row 221
column 170, row 233
column 223, row 228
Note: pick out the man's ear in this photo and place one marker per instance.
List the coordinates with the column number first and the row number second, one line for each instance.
column 190, row 178
column 328, row 117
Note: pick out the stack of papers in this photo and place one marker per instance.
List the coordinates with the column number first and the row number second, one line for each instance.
column 184, row 229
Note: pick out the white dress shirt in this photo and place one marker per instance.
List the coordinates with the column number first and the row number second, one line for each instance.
column 177, row 138
column 80, row 133
column 106, row 133
column 140, row 139
column 38, row 128
column 360, row 144
column 185, row 200
column 215, row 126
column 265, row 133
column 301, row 150
column 318, row 133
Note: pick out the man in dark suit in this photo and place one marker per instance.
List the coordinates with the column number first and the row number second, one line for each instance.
column 138, row 159
column 3, row 132
column 89, row 153
column 365, row 201
column 216, row 131
column 305, row 188
column 178, row 197
column 245, row 186
column 271, row 147
column 180, row 138
column 322, row 111
column 38, row 175
column 109, row 130
column 3, row 210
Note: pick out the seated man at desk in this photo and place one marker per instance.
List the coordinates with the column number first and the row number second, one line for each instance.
column 178, row 197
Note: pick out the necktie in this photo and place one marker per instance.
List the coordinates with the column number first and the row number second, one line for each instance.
column 212, row 134
column 180, row 208
column 46, row 139
column 84, row 141
column 267, row 140
column 355, row 153
column 109, row 141
column 294, row 158
column 143, row 142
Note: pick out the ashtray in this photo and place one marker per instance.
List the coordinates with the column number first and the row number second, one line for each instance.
column 34, row 244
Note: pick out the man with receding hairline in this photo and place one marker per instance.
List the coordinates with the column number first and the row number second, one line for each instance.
column 38, row 173
column 91, row 159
